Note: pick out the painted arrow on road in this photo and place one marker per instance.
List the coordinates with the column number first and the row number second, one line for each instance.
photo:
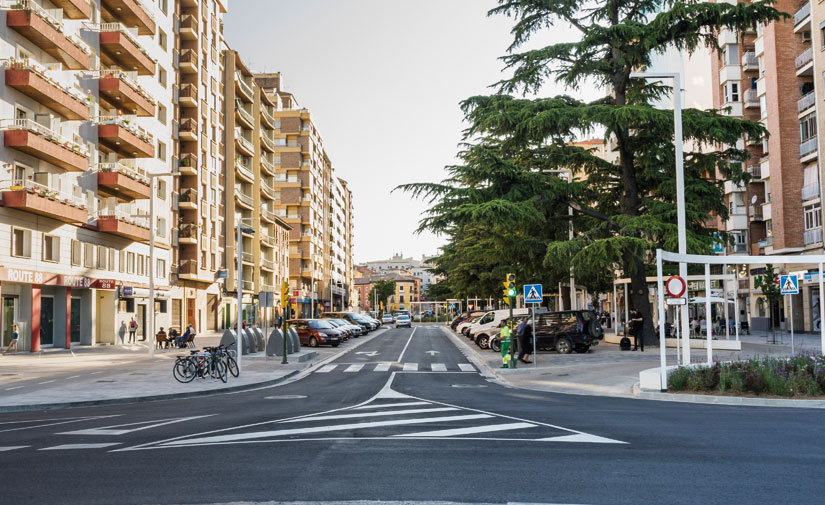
column 371, row 354
column 432, row 353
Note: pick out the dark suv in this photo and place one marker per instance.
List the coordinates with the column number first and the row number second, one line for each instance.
column 568, row 330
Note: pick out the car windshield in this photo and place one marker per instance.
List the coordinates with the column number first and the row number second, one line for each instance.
column 317, row 324
column 341, row 322
column 402, row 316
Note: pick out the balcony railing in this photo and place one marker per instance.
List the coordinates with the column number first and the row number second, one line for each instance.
column 803, row 59
column 247, row 285
column 268, row 214
column 765, row 243
column 127, row 123
column 188, row 126
column 268, row 239
column 810, row 191
column 190, row 57
column 755, row 212
column 121, row 215
column 807, row 147
column 268, row 264
column 755, row 171
column 268, row 116
column 44, row 191
column 751, row 98
column 813, row 236
column 189, row 91
column 188, row 230
column 247, row 257
column 43, row 73
column 749, row 59
column 269, row 167
column 243, row 197
column 246, row 88
column 245, row 143
column 269, row 191
column 245, row 114
column 39, row 129
column 268, row 141
column 243, row 169
column 806, row 102
column 802, row 14
column 137, row 174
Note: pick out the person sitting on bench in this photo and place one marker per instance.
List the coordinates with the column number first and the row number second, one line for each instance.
column 181, row 340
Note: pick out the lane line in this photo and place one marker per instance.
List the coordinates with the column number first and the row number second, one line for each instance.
column 410, row 367
column 438, row 367
column 142, row 425
column 95, row 373
column 13, row 447
column 72, row 377
column 466, row 367
column 408, row 343
column 390, row 405
column 239, row 437
column 326, row 369
column 16, row 387
column 372, row 414
column 46, row 382
column 78, row 446
column 470, row 430
column 354, row 368
column 71, row 420
column 382, row 367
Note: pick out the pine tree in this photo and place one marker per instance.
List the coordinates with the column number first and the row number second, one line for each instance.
column 622, row 209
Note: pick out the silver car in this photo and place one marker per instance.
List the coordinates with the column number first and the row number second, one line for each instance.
column 403, row 320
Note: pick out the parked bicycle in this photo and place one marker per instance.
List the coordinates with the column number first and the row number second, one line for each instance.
column 199, row 364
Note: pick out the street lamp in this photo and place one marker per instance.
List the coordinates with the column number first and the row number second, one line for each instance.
column 152, row 177
column 239, row 246
column 569, row 174
column 680, row 200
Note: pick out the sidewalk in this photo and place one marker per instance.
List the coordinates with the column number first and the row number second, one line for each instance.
column 608, row 371
column 88, row 376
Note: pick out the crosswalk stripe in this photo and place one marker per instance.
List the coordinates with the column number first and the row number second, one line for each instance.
column 469, row 430
column 326, row 369
column 438, row 367
column 466, row 367
column 320, row 429
column 371, row 414
column 12, row 447
column 382, row 367
column 410, row 367
column 354, row 368
column 390, row 405
column 78, row 446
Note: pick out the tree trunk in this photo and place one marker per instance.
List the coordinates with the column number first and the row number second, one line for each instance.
column 639, row 296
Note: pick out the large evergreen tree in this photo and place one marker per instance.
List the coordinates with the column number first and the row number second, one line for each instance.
column 508, row 184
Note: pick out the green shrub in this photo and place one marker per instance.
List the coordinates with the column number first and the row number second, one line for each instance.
column 678, row 379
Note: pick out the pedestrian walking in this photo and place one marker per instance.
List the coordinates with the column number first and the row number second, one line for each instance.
column 132, row 330
column 524, row 338
column 636, row 325
column 15, row 335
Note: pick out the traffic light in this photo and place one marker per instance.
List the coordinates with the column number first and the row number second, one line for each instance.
column 284, row 294
column 511, row 285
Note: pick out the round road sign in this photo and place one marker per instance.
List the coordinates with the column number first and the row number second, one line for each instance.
column 675, row 286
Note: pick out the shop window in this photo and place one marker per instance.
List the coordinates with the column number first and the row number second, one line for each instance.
column 51, row 248
column 127, row 305
column 77, row 253
column 160, row 306
column 21, row 243
column 88, row 255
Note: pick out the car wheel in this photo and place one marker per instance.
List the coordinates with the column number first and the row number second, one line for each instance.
column 582, row 348
column 335, row 345
column 465, row 331
column 313, row 342
column 495, row 345
column 483, row 341
column 563, row 346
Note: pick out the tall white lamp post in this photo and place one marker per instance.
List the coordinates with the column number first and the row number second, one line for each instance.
column 152, row 338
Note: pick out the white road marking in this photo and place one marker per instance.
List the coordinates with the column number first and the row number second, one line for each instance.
column 408, row 343
column 466, row 367
column 143, row 425
column 16, row 387
column 59, row 421
column 438, row 367
column 582, row 437
column 370, row 414
column 382, row 367
column 12, row 447
column 470, row 430
column 326, row 369
column 410, row 367
column 354, row 368
column 95, row 373
column 72, row 377
column 46, row 382
column 390, row 405
column 320, row 429
column 78, row 446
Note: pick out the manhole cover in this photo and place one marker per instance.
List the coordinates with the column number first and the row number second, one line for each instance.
column 284, row 397
column 469, row 385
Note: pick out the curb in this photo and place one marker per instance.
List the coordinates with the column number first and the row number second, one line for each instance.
column 191, row 394
column 472, row 356
column 739, row 401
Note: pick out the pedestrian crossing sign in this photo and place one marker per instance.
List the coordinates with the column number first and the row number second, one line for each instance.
column 532, row 293
column 789, row 284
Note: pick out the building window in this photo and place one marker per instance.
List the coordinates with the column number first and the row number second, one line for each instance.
column 161, row 228
column 89, row 255
column 141, row 264
column 807, row 127
column 163, row 5
column 161, row 191
column 162, row 76
column 763, row 107
column 769, row 228
column 161, row 151
column 76, row 253
column 732, row 92
column 21, row 243
column 162, row 39
column 121, row 262
column 161, row 113
column 111, row 260
column 813, row 217
column 130, row 263
column 160, row 270
column 731, row 54
column 51, row 248
column 102, row 257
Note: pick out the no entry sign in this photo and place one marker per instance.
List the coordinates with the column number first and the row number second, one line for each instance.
column 675, row 286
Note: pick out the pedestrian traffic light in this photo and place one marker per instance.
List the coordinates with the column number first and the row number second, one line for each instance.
column 511, row 285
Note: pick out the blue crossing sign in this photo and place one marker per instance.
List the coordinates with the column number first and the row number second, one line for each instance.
column 789, row 284
column 532, row 293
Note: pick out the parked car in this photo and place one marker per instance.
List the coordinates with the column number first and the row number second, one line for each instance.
column 568, row 331
column 376, row 322
column 403, row 320
column 387, row 319
column 350, row 317
column 491, row 319
column 315, row 332
column 355, row 329
column 465, row 317
column 464, row 327
column 342, row 327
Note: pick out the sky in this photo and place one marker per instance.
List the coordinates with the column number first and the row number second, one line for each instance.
column 383, row 80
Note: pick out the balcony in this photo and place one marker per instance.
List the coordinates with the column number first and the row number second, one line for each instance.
column 188, row 27
column 188, row 270
column 188, row 164
column 245, row 145
column 188, row 129
column 810, row 191
column 751, row 99
column 806, row 102
column 755, row 212
column 247, row 286
column 244, row 89
column 36, row 140
column 750, row 62
column 807, row 147
column 244, row 171
column 119, row 47
column 804, row 62
column 768, row 242
column 188, row 95
column 813, row 236
column 268, row 240
column 42, row 200
column 33, row 81
column 244, row 115
column 267, row 166
column 267, row 264
column 269, row 119
column 46, row 32
column 123, row 224
column 755, row 172
column 123, row 136
column 130, row 13
column 122, row 92
column 188, row 199
column 802, row 14
column 74, row 9
column 244, row 199
column 269, row 191
column 189, row 61
column 268, row 142
column 188, row 233
column 124, row 183
column 268, row 215
column 248, row 258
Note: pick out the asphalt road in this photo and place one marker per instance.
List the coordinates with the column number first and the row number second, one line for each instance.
column 407, row 418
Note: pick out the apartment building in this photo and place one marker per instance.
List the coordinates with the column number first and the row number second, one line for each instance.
column 83, row 135
column 338, row 259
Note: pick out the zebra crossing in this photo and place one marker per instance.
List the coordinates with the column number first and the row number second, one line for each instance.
column 395, row 367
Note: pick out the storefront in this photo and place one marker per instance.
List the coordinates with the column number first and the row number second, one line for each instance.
column 55, row 310
column 133, row 302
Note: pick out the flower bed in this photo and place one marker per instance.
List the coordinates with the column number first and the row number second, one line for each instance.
column 800, row 376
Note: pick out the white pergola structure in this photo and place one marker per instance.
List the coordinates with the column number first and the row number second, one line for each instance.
column 662, row 256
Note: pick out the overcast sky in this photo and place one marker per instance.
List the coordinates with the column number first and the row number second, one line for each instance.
column 383, row 79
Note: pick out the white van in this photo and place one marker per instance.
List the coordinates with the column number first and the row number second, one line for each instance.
column 492, row 319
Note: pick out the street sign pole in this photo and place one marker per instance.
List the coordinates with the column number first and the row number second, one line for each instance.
column 535, row 352
column 791, row 307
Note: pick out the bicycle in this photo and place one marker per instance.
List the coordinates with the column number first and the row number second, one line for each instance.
column 199, row 364
column 227, row 355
